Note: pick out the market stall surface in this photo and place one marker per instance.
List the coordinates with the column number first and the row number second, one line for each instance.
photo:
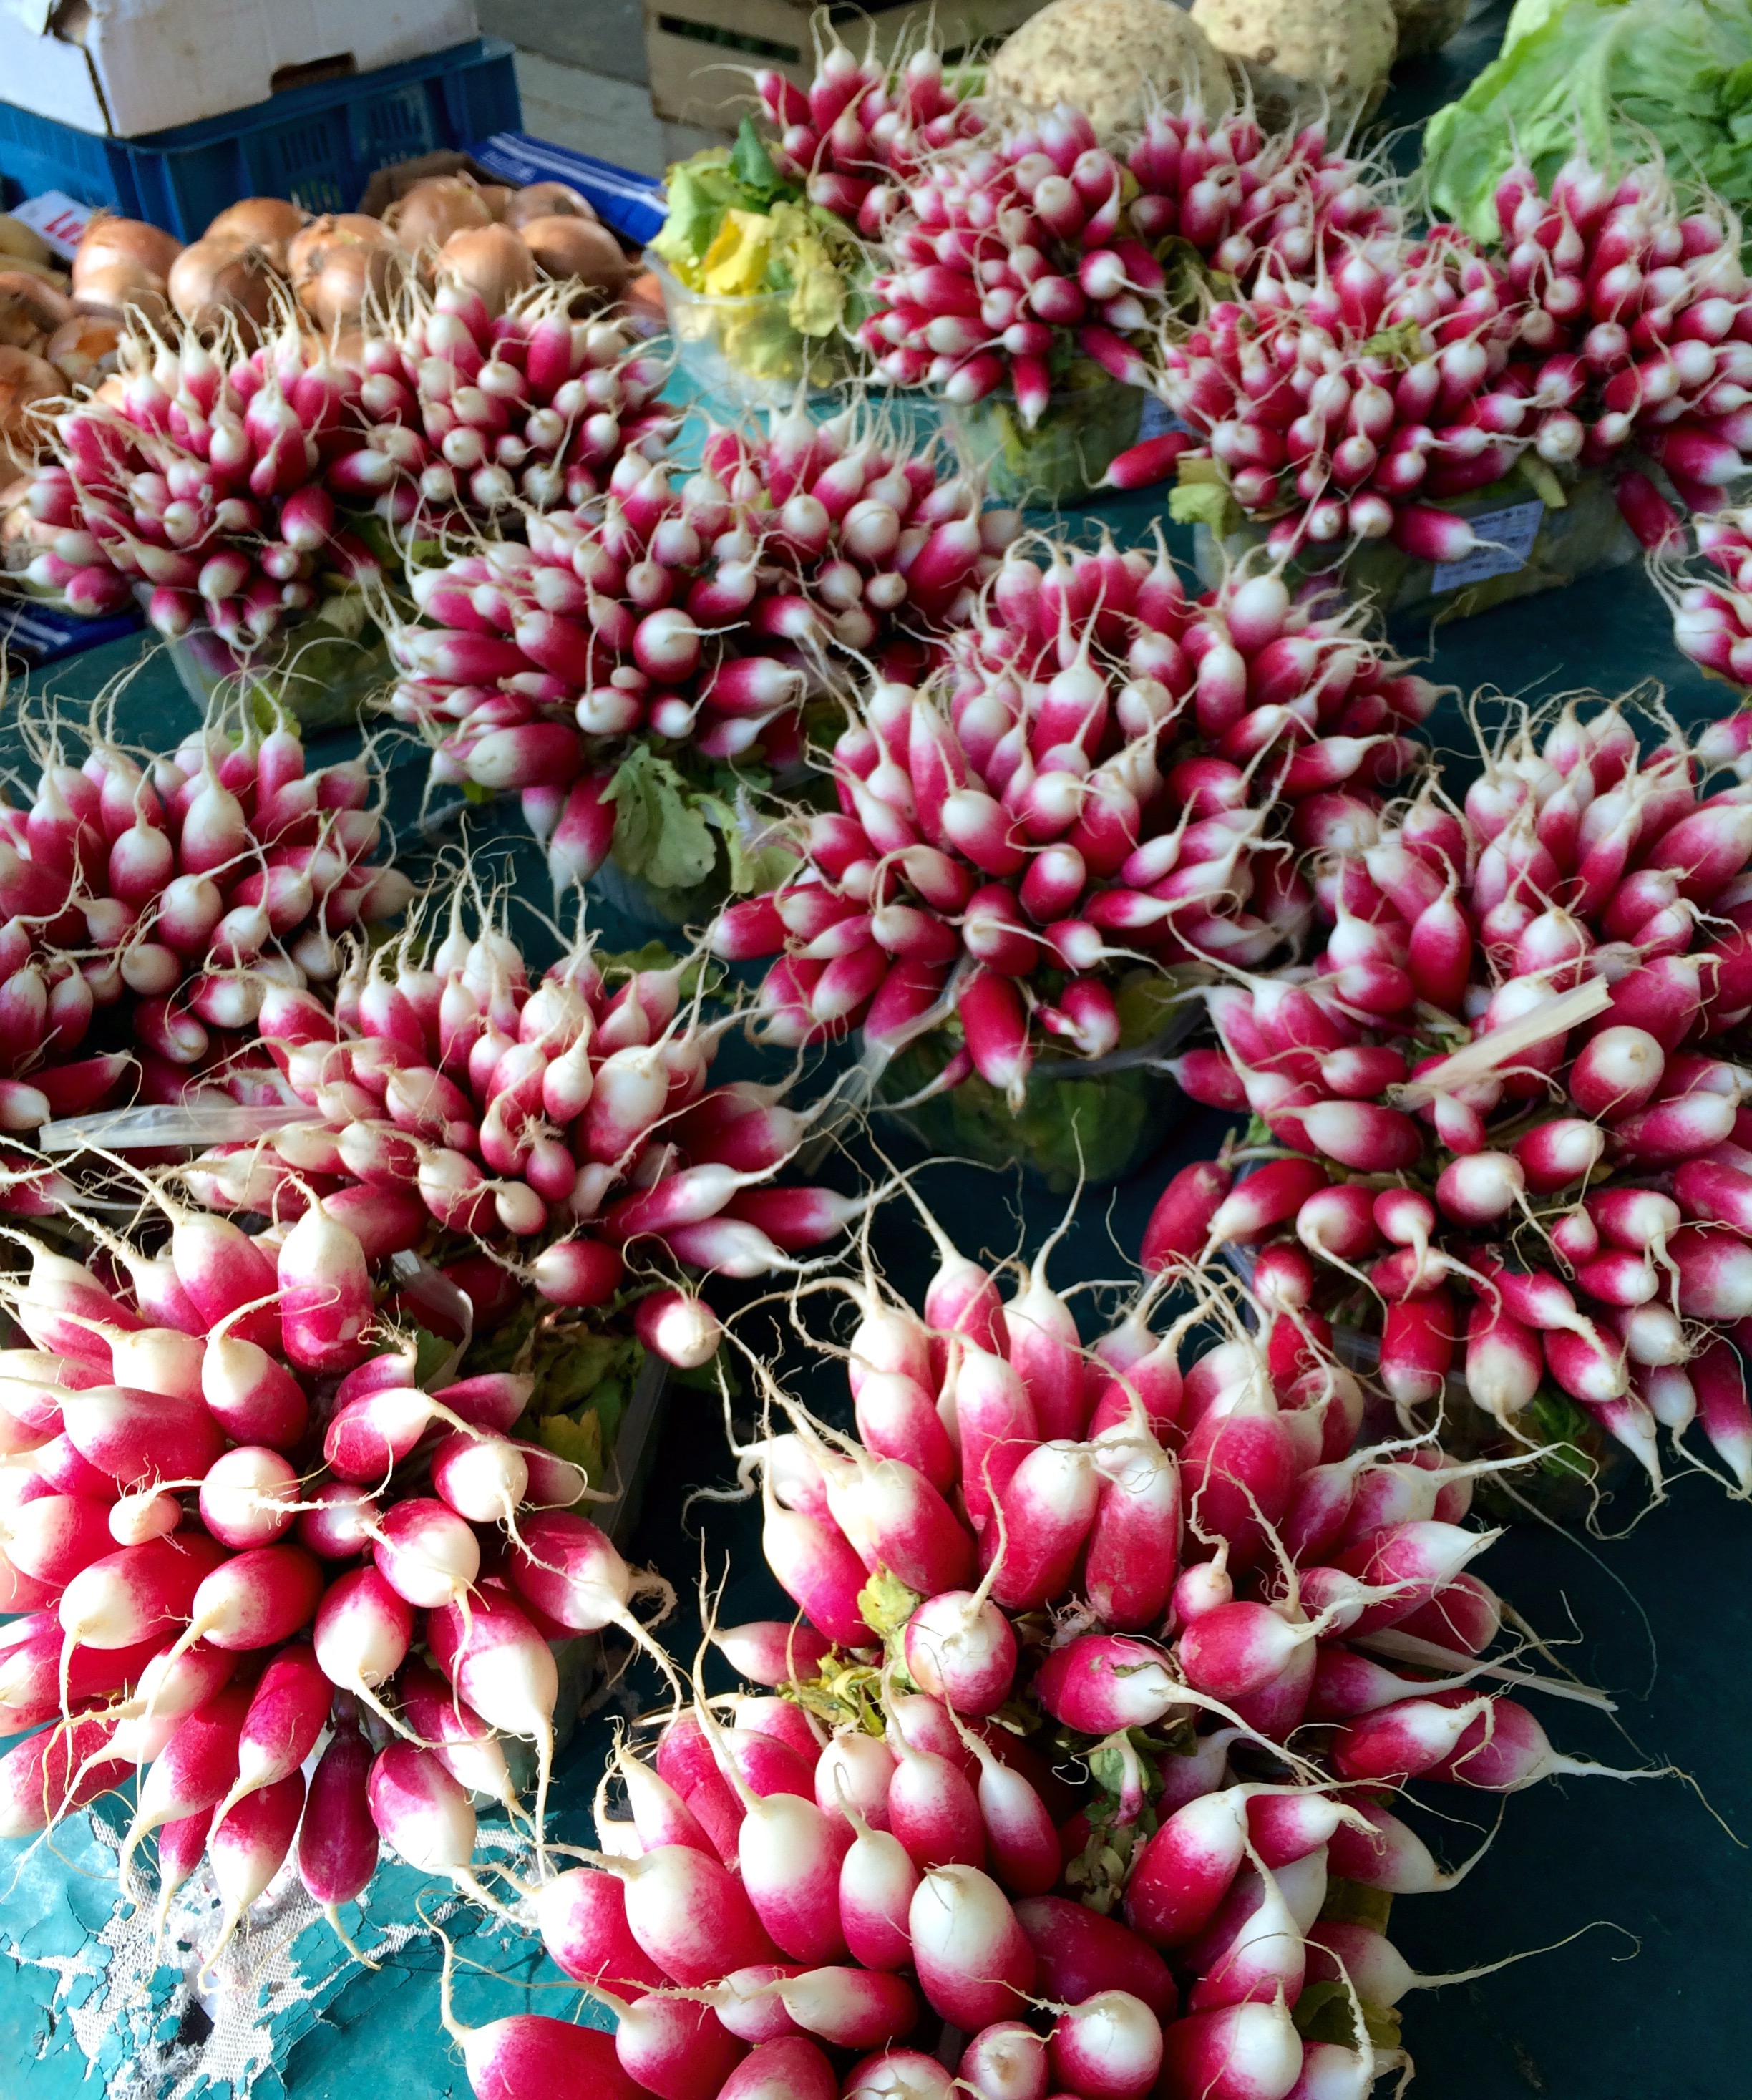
column 1638, row 1890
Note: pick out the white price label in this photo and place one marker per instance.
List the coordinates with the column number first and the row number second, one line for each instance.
column 1509, row 534
column 58, row 219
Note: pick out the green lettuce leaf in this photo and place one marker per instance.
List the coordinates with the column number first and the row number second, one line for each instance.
column 752, row 165
column 701, row 191
column 1608, row 74
column 659, row 833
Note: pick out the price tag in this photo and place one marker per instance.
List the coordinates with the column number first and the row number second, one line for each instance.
column 58, row 219
column 1511, row 532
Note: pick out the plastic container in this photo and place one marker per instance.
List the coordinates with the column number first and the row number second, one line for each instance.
column 746, row 350
column 1062, row 459
column 1096, row 1119
column 318, row 677
column 1541, row 547
column 318, row 145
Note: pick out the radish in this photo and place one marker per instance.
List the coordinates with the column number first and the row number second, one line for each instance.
column 1079, row 1952
column 1109, row 2046
column 288, row 1711
column 974, row 1962
column 60, row 1768
column 877, row 1882
column 959, row 1649
column 791, row 2068
column 501, row 1667
column 1246, row 2052
column 690, row 1915
column 362, row 1633
column 194, row 1771
column 583, row 1920
column 511, row 2057
column 248, row 1843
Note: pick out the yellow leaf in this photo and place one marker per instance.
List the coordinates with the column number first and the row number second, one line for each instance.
column 736, row 264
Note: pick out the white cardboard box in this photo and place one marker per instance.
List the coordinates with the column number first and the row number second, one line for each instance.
column 126, row 67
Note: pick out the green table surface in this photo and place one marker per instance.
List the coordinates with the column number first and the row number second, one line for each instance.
column 1649, row 1883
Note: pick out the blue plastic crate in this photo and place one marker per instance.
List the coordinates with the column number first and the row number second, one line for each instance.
column 318, row 145
column 631, row 206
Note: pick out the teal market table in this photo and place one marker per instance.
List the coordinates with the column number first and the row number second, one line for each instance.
column 1648, row 1882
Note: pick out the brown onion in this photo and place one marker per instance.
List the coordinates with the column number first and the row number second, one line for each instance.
column 83, row 350
column 211, row 279
column 304, row 250
column 433, row 211
column 266, row 222
column 491, row 260
column 22, row 244
column 113, row 289
column 496, row 197
column 576, row 248
column 342, row 276
column 547, row 201
column 29, row 309
column 147, row 249
column 23, row 379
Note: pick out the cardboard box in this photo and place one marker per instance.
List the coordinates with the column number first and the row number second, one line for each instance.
column 701, row 52
column 127, row 67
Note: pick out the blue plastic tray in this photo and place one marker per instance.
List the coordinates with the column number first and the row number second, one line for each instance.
column 318, row 145
column 631, row 206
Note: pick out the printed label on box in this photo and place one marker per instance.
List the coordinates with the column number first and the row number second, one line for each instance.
column 1157, row 419
column 1512, row 532
column 58, row 219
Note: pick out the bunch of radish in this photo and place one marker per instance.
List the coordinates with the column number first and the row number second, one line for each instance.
column 1248, row 201
column 567, row 1122
column 1012, row 253
column 859, row 129
column 1031, row 1562
column 1508, row 1077
column 1338, row 409
column 195, row 479
column 1638, row 312
column 150, row 904
column 454, row 415
column 1712, row 620
column 703, row 617
column 1104, row 771
column 237, row 1526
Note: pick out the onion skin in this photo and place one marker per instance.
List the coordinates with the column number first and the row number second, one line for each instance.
column 496, row 197
column 149, row 249
column 304, row 250
column 109, row 291
column 30, row 309
column 23, row 379
column 491, row 260
column 342, row 273
column 211, row 279
column 546, row 200
column 579, row 248
column 83, row 350
column 268, row 223
column 23, row 246
column 433, row 211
